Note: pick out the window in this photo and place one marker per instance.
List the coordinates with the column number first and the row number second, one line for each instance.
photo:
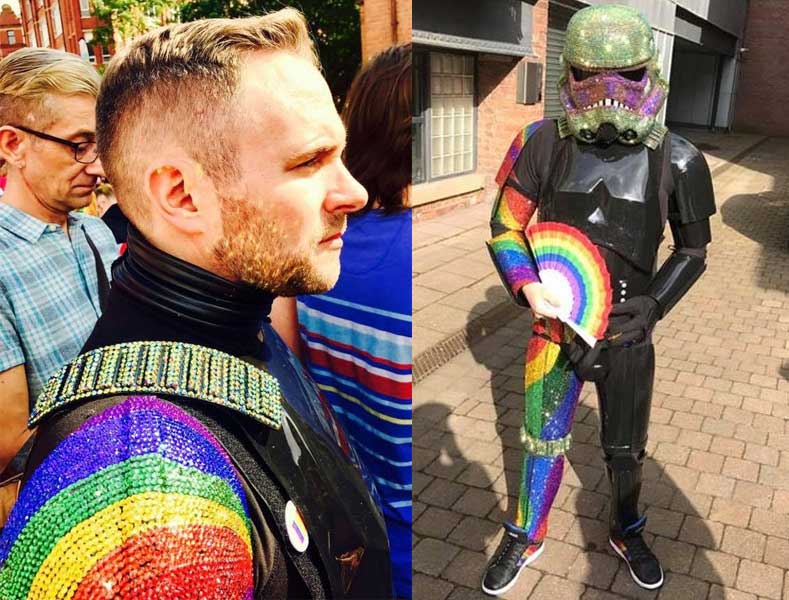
column 418, row 119
column 57, row 22
column 91, row 52
column 443, row 120
column 84, row 8
column 43, row 32
column 12, row 38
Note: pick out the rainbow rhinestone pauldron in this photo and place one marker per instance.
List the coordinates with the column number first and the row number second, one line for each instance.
column 171, row 368
column 141, row 501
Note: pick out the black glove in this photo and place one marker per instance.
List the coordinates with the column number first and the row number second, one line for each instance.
column 632, row 321
column 586, row 361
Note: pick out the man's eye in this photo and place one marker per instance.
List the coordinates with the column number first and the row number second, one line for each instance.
column 314, row 161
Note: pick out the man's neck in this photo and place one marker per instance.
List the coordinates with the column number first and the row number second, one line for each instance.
column 18, row 195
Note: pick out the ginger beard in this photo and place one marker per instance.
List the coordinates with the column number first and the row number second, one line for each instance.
column 271, row 251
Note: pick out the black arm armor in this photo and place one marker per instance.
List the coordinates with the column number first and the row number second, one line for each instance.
column 693, row 198
column 683, row 267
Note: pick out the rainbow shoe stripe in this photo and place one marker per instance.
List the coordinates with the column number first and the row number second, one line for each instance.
column 552, row 392
column 622, row 548
column 527, row 554
column 141, row 500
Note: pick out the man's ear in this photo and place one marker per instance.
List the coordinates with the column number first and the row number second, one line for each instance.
column 12, row 146
column 171, row 189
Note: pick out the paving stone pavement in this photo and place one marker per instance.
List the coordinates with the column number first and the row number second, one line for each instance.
column 716, row 489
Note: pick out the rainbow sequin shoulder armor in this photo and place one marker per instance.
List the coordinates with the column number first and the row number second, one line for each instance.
column 151, row 497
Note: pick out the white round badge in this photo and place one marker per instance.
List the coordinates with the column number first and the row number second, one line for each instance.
column 297, row 531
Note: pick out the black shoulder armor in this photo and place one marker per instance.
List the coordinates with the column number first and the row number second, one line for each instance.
column 692, row 197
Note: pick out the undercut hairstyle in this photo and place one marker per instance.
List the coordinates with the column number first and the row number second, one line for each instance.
column 377, row 117
column 29, row 77
column 176, row 85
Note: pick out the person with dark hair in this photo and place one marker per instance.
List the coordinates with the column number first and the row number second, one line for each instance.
column 184, row 453
column 356, row 339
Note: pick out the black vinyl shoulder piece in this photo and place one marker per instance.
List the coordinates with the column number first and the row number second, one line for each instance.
column 692, row 198
column 316, row 468
column 282, row 437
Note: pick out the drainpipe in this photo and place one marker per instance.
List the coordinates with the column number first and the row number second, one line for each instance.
column 393, row 19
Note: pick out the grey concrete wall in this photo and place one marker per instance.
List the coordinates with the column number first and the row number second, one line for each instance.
column 692, row 88
column 728, row 15
column 725, row 116
column 659, row 13
column 507, row 21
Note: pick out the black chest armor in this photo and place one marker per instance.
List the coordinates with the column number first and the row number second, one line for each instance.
column 612, row 194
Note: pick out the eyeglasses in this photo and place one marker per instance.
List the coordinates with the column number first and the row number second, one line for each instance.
column 84, row 152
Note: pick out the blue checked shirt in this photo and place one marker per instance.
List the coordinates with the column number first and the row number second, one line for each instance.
column 49, row 298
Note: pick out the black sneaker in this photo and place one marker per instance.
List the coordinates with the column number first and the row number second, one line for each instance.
column 643, row 564
column 512, row 555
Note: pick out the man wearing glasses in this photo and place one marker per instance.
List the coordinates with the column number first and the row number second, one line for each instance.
column 51, row 258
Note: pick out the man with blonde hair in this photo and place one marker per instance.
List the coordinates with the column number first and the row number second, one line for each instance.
column 51, row 258
column 184, row 453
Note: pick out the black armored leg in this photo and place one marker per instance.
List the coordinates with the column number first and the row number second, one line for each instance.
column 625, row 397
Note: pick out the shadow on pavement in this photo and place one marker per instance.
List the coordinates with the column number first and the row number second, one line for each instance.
column 675, row 529
column 675, row 526
column 763, row 218
column 456, row 497
column 506, row 376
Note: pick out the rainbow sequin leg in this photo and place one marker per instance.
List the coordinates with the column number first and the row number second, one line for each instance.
column 552, row 391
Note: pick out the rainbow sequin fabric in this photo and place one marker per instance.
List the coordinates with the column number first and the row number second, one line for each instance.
column 511, row 213
column 140, row 502
column 552, row 392
column 515, row 150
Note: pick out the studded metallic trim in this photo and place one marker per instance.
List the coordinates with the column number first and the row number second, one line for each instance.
column 545, row 447
column 652, row 141
column 656, row 136
column 171, row 368
column 564, row 128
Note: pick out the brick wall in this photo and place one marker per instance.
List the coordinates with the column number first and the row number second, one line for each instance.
column 499, row 117
column 10, row 22
column 380, row 28
column 763, row 89
column 436, row 209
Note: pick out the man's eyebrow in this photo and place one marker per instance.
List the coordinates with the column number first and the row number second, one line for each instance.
column 302, row 155
column 85, row 133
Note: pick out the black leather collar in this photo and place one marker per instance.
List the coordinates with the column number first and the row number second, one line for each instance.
column 186, row 292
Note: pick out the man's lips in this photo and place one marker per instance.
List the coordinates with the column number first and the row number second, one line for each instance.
column 331, row 238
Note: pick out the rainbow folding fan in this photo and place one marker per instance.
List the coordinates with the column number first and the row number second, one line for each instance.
column 571, row 266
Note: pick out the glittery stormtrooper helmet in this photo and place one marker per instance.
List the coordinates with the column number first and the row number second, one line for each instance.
column 611, row 88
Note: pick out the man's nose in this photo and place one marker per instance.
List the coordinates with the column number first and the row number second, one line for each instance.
column 95, row 168
column 348, row 195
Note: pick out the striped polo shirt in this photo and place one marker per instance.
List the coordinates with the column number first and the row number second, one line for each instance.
column 357, row 341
